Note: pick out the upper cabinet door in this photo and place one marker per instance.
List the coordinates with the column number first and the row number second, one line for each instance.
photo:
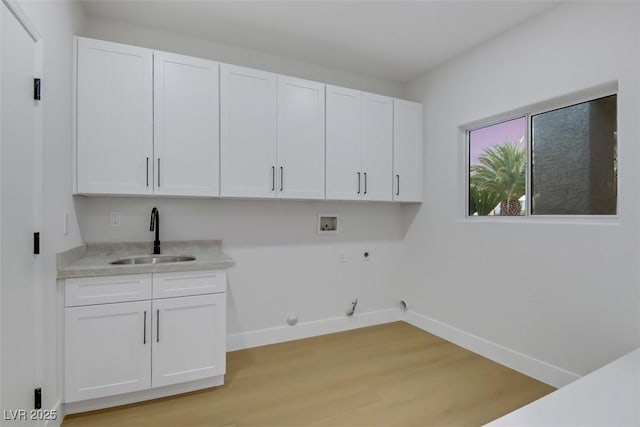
column 407, row 151
column 247, row 132
column 377, row 146
column 343, row 175
column 114, row 118
column 300, row 149
column 186, row 126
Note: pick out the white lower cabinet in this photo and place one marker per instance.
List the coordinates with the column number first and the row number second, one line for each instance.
column 126, row 346
column 188, row 339
column 108, row 349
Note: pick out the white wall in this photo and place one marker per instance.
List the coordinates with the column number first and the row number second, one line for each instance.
column 283, row 267
column 107, row 29
column 566, row 294
column 57, row 22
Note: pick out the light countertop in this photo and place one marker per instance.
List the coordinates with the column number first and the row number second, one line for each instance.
column 95, row 259
column 609, row 396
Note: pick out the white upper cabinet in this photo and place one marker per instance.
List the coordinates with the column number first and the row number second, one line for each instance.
column 407, row 151
column 151, row 122
column 186, row 126
column 359, row 145
column 300, row 147
column 344, row 133
column 377, row 146
column 147, row 122
column 248, row 132
column 114, row 118
column 272, row 135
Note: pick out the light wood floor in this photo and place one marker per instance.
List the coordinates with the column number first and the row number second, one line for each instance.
column 387, row 375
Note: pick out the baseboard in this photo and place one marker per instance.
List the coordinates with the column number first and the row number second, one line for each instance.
column 542, row 371
column 141, row 396
column 310, row 329
column 59, row 415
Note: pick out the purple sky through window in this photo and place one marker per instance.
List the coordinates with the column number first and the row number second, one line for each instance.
column 495, row 135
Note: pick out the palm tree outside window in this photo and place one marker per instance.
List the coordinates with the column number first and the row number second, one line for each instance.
column 497, row 175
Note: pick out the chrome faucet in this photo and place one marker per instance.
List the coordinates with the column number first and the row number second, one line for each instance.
column 155, row 224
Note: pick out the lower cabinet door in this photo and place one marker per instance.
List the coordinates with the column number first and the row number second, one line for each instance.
column 107, row 349
column 188, row 338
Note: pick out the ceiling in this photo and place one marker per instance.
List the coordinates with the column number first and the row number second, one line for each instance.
column 393, row 40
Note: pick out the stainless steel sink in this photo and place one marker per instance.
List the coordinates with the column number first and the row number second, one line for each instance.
column 154, row 259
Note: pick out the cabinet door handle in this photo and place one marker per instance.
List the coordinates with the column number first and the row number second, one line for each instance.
column 365, row 183
column 358, row 182
column 281, row 178
column 273, row 178
column 147, row 172
column 158, row 325
column 158, row 171
column 398, row 187
column 144, row 335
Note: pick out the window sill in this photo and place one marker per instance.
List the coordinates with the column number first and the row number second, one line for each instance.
column 545, row 219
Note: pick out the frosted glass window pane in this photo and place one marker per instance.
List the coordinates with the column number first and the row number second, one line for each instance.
column 574, row 160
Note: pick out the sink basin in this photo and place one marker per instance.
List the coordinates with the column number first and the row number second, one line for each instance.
column 154, row 259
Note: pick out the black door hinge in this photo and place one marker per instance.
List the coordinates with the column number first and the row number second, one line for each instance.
column 36, row 89
column 36, row 243
column 37, row 398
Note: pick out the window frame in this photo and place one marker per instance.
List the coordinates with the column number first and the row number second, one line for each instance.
column 528, row 112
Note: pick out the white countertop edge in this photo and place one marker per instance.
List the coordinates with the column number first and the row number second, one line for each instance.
column 609, row 396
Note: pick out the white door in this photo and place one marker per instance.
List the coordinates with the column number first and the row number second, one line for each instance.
column 344, row 180
column 377, row 147
column 300, row 152
column 186, row 126
column 407, row 151
column 114, row 118
column 247, row 132
column 188, row 338
column 17, row 214
column 107, row 349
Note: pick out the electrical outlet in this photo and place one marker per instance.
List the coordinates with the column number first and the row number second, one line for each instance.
column 115, row 219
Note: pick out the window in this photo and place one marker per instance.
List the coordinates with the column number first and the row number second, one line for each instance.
column 556, row 162
column 497, row 178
